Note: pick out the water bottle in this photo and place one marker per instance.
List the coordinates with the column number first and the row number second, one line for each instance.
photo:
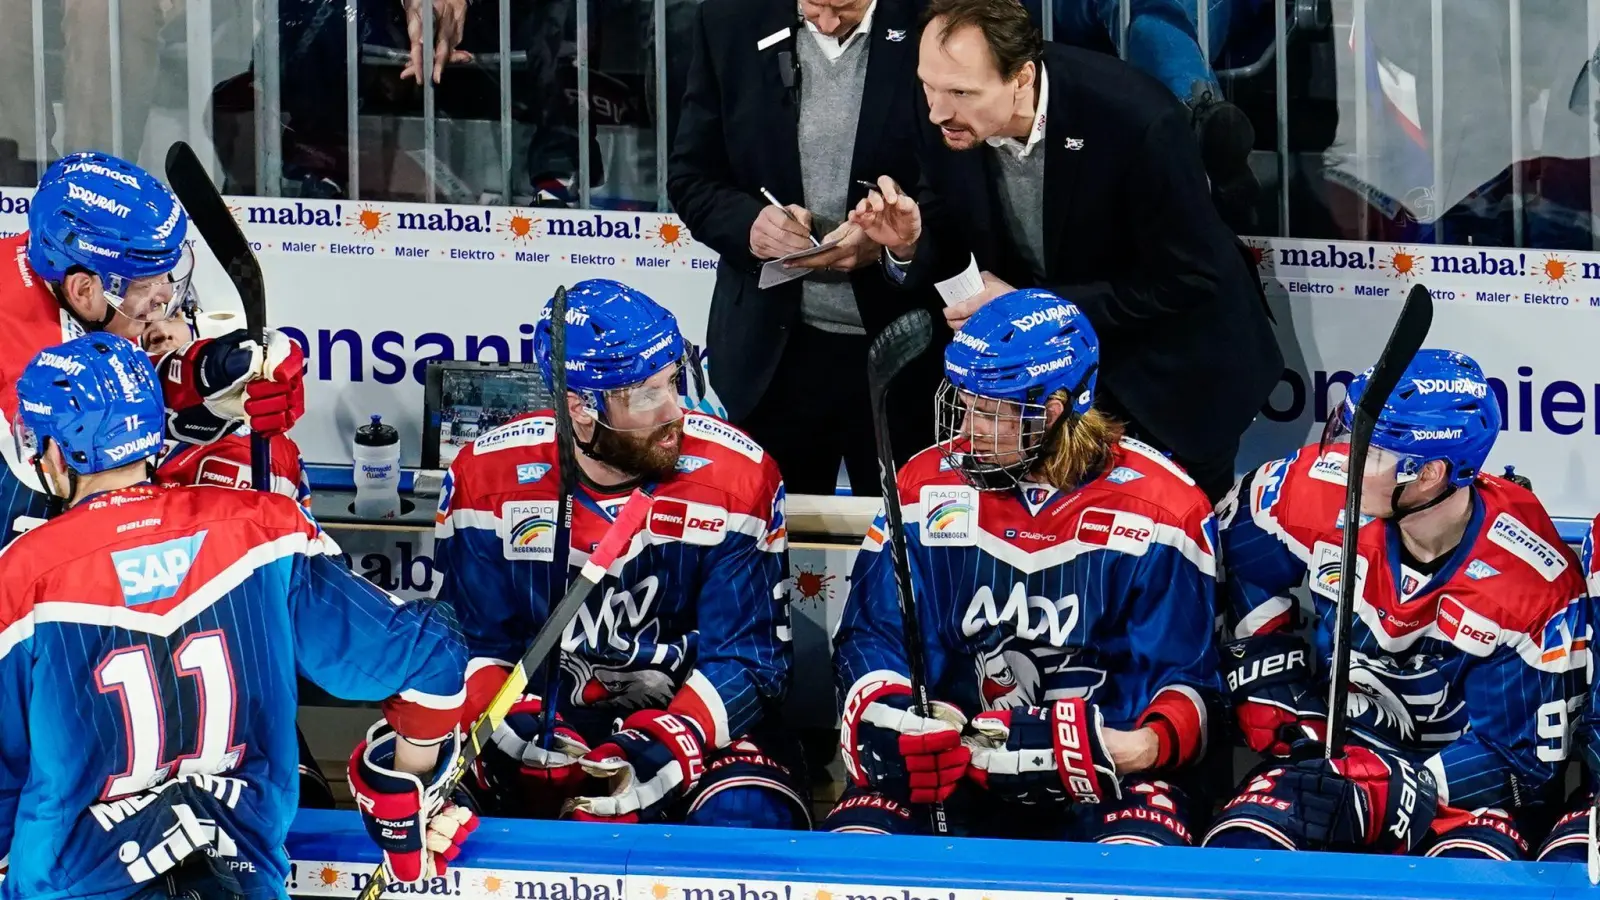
column 377, row 470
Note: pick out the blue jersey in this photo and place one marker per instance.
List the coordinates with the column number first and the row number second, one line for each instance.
column 692, row 617
column 1476, row 670
column 1033, row 595
column 150, row 639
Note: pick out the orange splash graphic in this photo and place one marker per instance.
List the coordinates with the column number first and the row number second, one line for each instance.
column 1401, row 264
column 670, row 235
column 811, row 585
column 369, row 221
column 824, row 895
column 1258, row 255
column 1556, row 270
column 659, row 891
column 521, row 226
column 329, row 876
column 491, row 884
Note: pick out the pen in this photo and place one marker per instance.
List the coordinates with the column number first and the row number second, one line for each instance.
column 774, row 201
column 869, row 185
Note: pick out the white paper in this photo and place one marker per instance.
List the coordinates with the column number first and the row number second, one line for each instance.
column 967, row 284
column 774, row 272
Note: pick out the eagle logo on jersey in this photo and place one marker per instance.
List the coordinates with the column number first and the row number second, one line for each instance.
column 155, row 571
column 1008, row 678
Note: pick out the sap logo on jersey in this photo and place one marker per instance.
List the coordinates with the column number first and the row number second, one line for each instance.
column 949, row 516
column 529, row 530
column 521, row 433
column 154, row 572
column 1121, row 531
column 1478, row 570
column 1123, row 475
column 691, row 464
column 691, row 523
column 1527, row 546
column 528, row 473
column 1466, row 629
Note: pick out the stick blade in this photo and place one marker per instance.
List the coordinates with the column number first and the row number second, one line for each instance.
column 221, row 232
column 905, row 339
column 1410, row 330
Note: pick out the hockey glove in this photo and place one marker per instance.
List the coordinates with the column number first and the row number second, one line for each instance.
column 418, row 829
column 1035, row 755
column 1269, row 679
column 889, row 747
column 215, row 382
column 517, row 776
column 656, row 759
column 1364, row 800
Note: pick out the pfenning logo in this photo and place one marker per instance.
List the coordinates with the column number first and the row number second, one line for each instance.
column 1058, row 313
column 1435, row 434
column 1450, row 386
column 1527, row 546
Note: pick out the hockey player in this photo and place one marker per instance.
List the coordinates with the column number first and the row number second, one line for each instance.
column 1469, row 638
column 149, row 643
column 687, row 641
column 1568, row 841
column 105, row 251
column 1064, row 579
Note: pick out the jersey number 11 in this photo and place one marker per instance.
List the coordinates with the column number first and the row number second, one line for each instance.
column 130, row 673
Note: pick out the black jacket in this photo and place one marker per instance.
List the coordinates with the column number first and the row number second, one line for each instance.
column 738, row 132
column 1132, row 238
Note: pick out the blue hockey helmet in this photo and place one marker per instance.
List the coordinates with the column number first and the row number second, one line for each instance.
column 97, row 398
column 99, row 214
column 1005, row 363
column 617, row 337
column 1442, row 409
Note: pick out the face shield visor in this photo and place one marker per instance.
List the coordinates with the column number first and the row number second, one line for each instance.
column 992, row 443
column 648, row 405
column 1381, row 462
column 152, row 298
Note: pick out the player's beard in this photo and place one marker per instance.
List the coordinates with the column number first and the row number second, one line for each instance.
column 640, row 453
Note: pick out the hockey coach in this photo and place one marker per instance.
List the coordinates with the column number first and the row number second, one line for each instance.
column 1044, row 165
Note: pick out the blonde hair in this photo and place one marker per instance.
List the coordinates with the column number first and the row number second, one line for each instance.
column 1074, row 450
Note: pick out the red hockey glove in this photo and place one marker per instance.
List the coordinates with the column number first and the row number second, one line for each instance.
column 418, row 829
column 655, row 760
column 1269, row 683
column 889, row 747
column 1036, row 755
column 517, row 776
column 215, row 382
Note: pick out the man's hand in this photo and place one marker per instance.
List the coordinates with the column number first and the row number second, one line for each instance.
column 1058, row 753
column 890, row 217
column 1131, row 751
column 957, row 315
column 774, row 234
column 854, row 251
column 450, row 18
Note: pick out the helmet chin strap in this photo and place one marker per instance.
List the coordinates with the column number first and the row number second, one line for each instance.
column 58, row 288
column 1401, row 513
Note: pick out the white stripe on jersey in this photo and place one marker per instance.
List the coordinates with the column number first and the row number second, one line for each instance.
column 1070, row 548
column 162, row 624
column 1257, row 618
column 483, row 519
column 1441, row 783
column 434, row 701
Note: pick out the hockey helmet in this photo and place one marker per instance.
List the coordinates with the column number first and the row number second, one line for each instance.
column 1003, row 365
column 97, row 398
column 617, row 337
column 1442, row 409
column 99, row 214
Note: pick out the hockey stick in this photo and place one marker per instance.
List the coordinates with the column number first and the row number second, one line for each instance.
column 210, row 215
column 617, row 538
column 1409, row 332
column 567, row 462
column 904, row 340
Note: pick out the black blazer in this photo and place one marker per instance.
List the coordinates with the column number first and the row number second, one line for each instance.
column 1131, row 237
column 738, row 132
